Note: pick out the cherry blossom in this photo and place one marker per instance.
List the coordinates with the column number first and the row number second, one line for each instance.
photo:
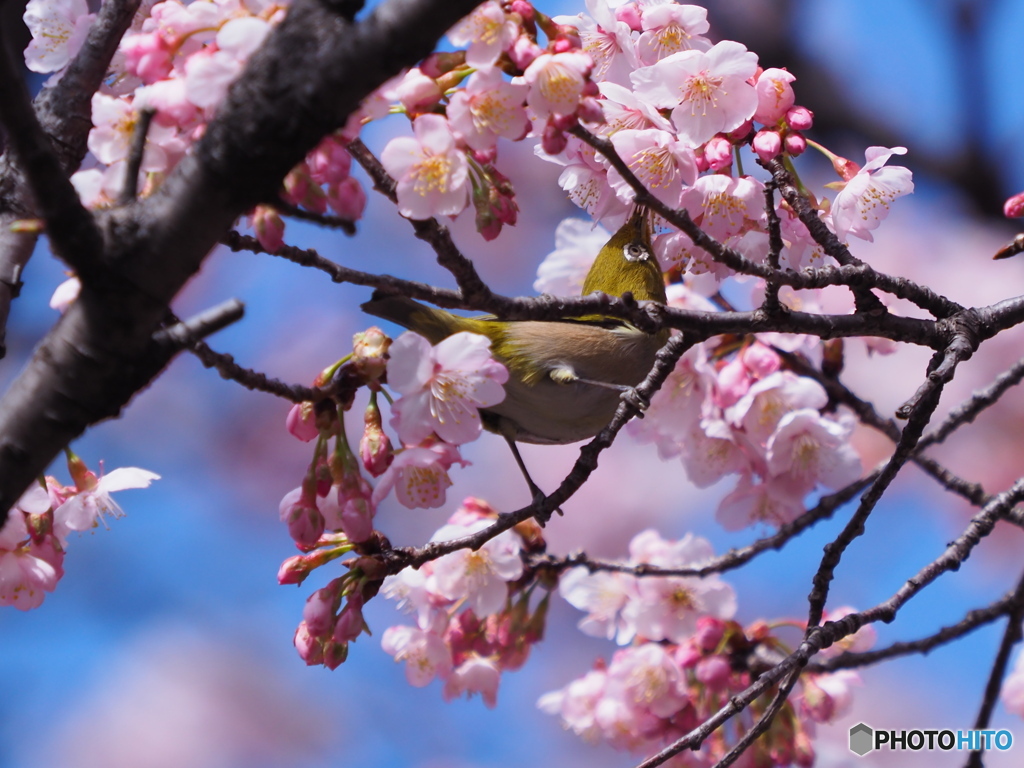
column 864, row 202
column 812, row 450
column 602, row 595
column 663, row 164
column 58, row 28
column 419, row 475
column 557, row 82
column 486, row 32
column 425, row 654
column 443, row 387
column 476, row 674
column 85, row 510
column 479, row 575
column 669, row 28
column 707, row 91
column 431, row 173
column 488, row 108
column 606, row 40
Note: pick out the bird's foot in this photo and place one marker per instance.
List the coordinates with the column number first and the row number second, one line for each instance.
column 636, row 400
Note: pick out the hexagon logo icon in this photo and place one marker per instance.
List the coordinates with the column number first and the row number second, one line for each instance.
column 861, row 739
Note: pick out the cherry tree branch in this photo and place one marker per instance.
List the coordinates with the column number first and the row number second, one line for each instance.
column 309, row 75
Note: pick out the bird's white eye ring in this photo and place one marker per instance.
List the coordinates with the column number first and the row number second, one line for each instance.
column 635, row 252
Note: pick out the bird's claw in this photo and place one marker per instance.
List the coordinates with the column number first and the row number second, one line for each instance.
column 637, row 400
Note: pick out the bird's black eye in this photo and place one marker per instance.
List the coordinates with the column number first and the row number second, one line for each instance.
column 635, row 252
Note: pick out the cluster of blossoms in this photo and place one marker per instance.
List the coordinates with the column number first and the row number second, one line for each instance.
column 35, row 536
column 331, row 513
column 684, row 657
column 177, row 62
column 681, row 112
column 473, row 614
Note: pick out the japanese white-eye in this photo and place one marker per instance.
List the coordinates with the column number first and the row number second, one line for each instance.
column 566, row 376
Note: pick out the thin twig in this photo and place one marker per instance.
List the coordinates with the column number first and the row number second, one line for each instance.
column 1011, row 636
column 136, row 152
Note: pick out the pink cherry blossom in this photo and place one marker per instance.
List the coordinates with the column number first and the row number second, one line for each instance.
column 487, row 31
column 726, row 206
column 564, row 270
column 431, row 173
column 622, row 109
column 649, row 679
column 812, row 450
column 577, row 704
column 480, row 576
column 664, row 165
column 767, row 401
column 669, row 28
column 58, row 28
column 419, row 475
column 488, row 108
column 85, row 510
column 417, row 92
column 603, row 595
column 443, row 387
column 585, row 179
column 773, row 502
column 707, row 92
column 864, row 202
column 425, row 654
column 476, row 674
column 606, row 40
column 557, row 82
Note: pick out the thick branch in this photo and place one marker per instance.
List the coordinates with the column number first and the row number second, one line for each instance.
column 311, row 73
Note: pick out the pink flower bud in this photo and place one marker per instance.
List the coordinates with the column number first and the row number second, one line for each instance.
column 760, row 360
column 334, row 654
column 795, row 144
column 714, row 672
column 309, row 648
column 589, row 111
column 687, row 655
column 294, row 570
column 350, row 621
column 524, row 51
column 709, row 632
column 375, row 446
column 733, row 383
column 357, row 519
column 774, row 95
column 524, row 9
column 417, row 92
column 330, row 162
column 269, row 228
column 1014, row 207
column 718, row 153
column 767, row 144
column 370, row 352
column 347, row 198
column 486, row 156
column 740, row 134
column 301, row 422
column 553, row 140
column 629, row 14
column 318, row 613
column 800, row 118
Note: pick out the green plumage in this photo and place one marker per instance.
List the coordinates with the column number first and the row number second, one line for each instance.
column 566, row 375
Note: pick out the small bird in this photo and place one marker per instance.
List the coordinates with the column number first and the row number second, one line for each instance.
column 566, row 376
